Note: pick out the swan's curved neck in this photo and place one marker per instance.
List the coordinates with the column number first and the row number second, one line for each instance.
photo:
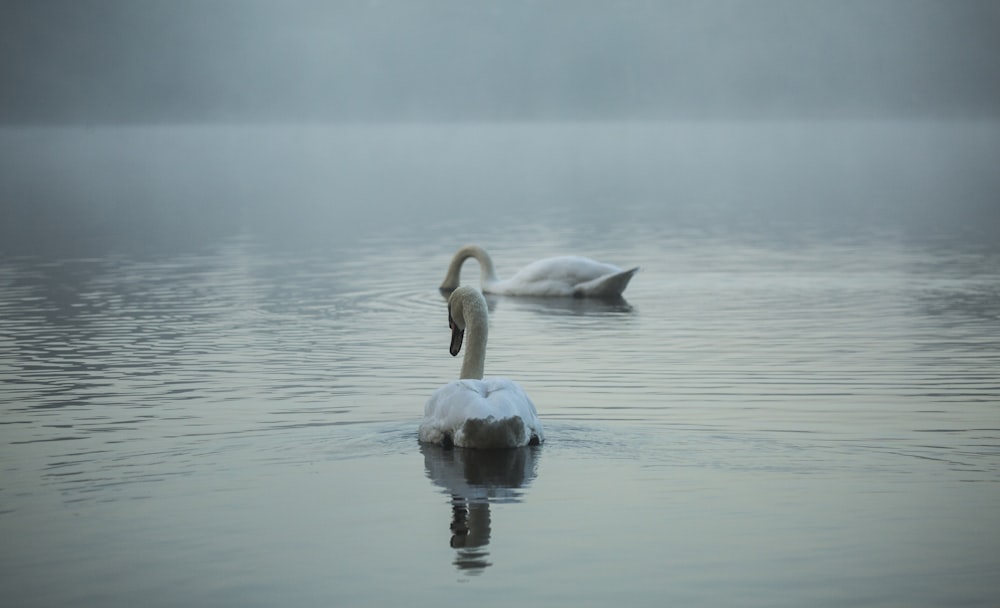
column 476, row 318
column 487, row 273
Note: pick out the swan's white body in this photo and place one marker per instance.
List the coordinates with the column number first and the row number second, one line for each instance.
column 568, row 275
column 477, row 412
column 487, row 413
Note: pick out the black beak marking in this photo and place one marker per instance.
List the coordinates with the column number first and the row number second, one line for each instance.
column 456, row 336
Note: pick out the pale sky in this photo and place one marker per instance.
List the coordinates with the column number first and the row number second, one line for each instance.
column 110, row 61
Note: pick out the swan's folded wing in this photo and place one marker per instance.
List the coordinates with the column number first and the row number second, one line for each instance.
column 506, row 398
column 462, row 399
column 452, row 405
column 569, row 269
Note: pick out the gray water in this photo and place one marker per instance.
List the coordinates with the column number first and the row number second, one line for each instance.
column 216, row 344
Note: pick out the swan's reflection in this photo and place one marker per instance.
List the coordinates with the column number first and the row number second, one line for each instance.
column 475, row 479
column 573, row 306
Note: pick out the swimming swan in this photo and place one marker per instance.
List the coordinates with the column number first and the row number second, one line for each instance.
column 567, row 275
column 477, row 412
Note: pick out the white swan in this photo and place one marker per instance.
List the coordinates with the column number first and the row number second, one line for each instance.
column 567, row 275
column 477, row 412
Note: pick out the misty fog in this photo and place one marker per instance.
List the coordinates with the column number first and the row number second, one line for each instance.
column 147, row 120
column 160, row 185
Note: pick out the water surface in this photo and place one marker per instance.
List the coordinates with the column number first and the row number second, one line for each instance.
column 780, row 412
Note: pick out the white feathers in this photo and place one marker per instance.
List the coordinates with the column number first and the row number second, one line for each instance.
column 478, row 412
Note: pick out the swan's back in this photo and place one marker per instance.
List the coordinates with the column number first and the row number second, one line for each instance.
column 487, row 413
column 565, row 268
column 567, row 275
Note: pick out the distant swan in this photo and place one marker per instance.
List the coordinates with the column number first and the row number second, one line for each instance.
column 477, row 412
column 568, row 275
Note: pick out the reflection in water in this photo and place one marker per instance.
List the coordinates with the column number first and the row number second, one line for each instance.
column 568, row 306
column 475, row 479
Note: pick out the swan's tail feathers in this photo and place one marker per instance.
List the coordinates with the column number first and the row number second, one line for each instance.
column 608, row 286
column 493, row 433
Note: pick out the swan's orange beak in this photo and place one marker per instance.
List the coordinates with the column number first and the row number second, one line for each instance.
column 456, row 337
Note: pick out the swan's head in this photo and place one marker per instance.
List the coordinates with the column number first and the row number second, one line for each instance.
column 465, row 305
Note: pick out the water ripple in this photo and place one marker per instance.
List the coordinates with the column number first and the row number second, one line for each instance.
column 121, row 371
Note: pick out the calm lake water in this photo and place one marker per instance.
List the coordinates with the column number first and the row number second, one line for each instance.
column 216, row 345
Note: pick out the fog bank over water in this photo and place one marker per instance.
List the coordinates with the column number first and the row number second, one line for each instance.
column 142, row 61
column 77, row 189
